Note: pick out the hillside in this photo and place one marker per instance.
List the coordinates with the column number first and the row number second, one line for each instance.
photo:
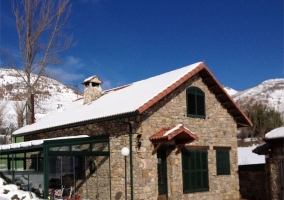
column 51, row 94
column 269, row 92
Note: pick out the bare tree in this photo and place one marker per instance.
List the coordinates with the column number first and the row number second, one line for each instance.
column 2, row 113
column 39, row 25
column 3, row 130
column 19, row 107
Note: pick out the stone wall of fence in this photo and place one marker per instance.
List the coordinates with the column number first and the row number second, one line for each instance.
column 253, row 183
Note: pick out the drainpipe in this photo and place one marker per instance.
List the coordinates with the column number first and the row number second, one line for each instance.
column 130, row 155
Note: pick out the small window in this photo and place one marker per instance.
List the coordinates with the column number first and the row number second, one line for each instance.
column 195, row 171
column 195, row 99
column 223, row 162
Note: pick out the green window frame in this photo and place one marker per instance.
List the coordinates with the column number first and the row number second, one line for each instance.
column 195, row 102
column 223, row 162
column 195, row 171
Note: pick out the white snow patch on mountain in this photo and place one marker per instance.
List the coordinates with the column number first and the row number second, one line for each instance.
column 230, row 91
column 269, row 92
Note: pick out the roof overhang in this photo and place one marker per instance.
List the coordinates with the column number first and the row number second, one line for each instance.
column 178, row 135
column 213, row 84
column 224, row 98
column 262, row 149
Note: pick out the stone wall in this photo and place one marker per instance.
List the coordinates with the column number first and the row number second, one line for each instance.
column 253, row 182
column 218, row 129
column 275, row 161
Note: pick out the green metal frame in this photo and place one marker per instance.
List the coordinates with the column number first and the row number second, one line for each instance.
column 59, row 143
column 69, row 142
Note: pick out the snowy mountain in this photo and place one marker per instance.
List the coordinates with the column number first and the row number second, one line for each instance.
column 51, row 94
column 230, row 91
column 269, row 92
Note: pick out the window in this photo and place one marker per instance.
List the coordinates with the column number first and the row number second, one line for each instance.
column 195, row 99
column 195, row 171
column 223, row 162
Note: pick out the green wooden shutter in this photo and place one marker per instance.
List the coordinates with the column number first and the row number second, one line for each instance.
column 204, row 167
column 191, row 104
column 195, row 102
column 223, row 162
column 195, row 171
column 200, row 108
column 185, row 170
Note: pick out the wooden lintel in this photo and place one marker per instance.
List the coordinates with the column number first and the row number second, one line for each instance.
column 179, row 148
column 156, row 148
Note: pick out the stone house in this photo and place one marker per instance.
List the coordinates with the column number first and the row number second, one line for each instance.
column 273, row 149
column 180, row 128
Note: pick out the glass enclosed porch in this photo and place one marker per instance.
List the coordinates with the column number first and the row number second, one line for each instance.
column 74, row 167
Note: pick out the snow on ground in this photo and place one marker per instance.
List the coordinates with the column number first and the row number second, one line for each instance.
column 247, row 157
column 7, row 191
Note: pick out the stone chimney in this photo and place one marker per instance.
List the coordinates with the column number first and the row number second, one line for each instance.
column 92, row 89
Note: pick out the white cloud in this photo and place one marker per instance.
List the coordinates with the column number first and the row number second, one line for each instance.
column 65, row 76
column 73, row 61
column 68, row 72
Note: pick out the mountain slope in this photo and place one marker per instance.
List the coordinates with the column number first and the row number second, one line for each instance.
column 269, row 92
column 51, row 94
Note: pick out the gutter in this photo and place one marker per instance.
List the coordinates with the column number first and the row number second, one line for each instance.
column 72, row 125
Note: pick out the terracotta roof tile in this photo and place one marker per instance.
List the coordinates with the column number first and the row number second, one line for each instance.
column 178, row 132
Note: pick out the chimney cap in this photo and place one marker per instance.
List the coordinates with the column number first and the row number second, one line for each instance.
column 93, row 79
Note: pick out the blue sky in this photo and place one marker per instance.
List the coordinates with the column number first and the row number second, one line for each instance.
column 123, row 41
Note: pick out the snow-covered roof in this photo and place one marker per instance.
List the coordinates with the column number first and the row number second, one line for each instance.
column 174, row 129
column 126, row 100
column 247, row 157
column 36, row 142
column 131, row 99
column 275, row 133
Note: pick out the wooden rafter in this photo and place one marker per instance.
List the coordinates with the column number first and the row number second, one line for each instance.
column 156, row 148
column 179, row 148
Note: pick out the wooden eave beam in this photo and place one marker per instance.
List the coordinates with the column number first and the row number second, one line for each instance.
column 223, row 103
column 238, row 117
column 179, row 148
column 156, row 148
column 244, row 125
column 221, row 94
column 212, row 86
column 206, row 78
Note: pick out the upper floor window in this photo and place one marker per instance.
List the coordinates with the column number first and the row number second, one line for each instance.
column 195, row 99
